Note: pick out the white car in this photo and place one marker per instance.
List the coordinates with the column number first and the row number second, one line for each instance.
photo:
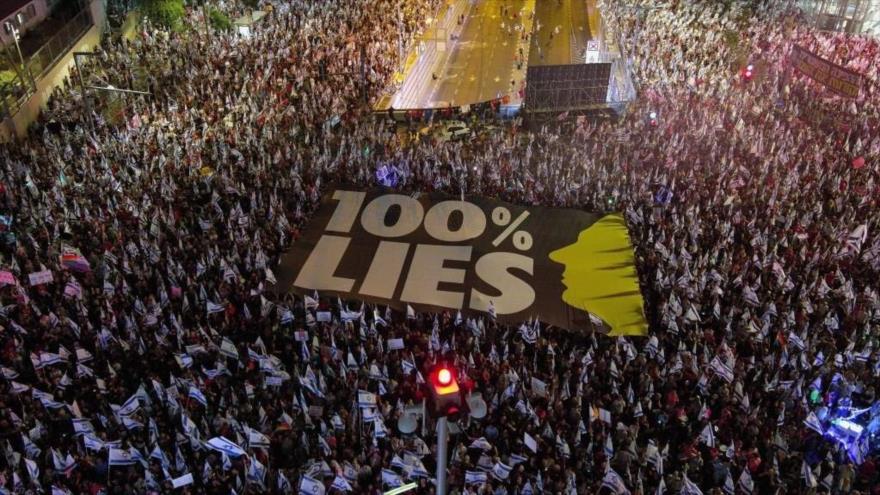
column 454, row 130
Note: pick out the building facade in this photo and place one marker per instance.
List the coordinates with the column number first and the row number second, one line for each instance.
column 849, row 16
column 22, row 14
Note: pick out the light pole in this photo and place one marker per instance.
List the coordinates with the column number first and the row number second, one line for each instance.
column 16, row 34
column 109, row 88
column 442, row 443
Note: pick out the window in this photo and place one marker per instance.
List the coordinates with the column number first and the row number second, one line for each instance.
column 27, row 14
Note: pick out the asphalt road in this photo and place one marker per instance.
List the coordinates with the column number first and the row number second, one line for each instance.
column 483, row 63
column 480, row 61
column 477, row 66
column 563, row 34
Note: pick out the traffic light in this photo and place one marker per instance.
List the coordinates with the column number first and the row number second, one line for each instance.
column 445, row 393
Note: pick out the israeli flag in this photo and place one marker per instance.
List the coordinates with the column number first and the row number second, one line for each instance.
column 812, row 422
column 341, row 484
column 390, row 478
column 501, row 470
column 92, row 443
column 475, row 478
column 224, row 445
column 481, row 443
column 688, row 487
column 310, row 486
column 397, row 462
column 120, row 457
column 257, row 439
column 198, row 396
column 32, row 469
column 256, row 471
column 82, row 426
column 366, row 399
column 707, row 436
column 228, row 349
column 214, row 308
column 529, row 335
column 614, row 483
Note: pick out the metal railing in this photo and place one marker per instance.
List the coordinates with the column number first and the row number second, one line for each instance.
column 17, row 89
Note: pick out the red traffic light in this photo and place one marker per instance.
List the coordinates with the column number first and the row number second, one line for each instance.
column 444, row 377
column 445, row 392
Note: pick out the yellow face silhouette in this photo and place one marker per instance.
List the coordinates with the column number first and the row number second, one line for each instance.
column 600, row 276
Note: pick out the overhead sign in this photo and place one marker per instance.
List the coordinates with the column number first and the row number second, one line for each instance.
column 437, row 252
column 592, row 55
column 839, row 80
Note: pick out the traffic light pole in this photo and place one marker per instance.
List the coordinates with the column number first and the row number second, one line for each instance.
column 442, row 443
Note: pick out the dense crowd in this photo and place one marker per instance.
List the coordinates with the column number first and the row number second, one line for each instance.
column 143, row 353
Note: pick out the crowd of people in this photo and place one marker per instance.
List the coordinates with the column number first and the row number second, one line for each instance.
column 142, row 351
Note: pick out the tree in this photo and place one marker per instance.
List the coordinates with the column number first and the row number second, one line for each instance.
column 219, row 20
column 166, row 13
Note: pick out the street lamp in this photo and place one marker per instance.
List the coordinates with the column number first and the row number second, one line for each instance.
column 16, row 35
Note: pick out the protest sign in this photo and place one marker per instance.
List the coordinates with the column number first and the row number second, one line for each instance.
column 438, row 252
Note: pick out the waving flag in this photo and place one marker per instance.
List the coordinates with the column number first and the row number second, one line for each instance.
column 120, row 457
column 341, row 484
column 223, row 444
column 310, row 486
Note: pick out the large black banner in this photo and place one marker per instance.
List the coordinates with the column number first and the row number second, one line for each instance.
column 839, row 80
column 437, row 252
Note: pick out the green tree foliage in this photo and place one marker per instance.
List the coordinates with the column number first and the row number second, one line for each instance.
column 167, row 13
column 219, row 20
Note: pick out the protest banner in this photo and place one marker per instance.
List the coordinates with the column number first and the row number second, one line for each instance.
column 479, row 256
column 840, row 80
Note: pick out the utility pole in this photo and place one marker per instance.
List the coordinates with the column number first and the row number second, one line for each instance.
column 16, row 35
column 108, row 88
column 205, row 16
column 364, row 74
column 82, row 88
column 442, row 444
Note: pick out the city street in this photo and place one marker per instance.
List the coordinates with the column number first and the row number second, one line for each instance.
column 562, row 32
column 486, row 56
column 479, row 62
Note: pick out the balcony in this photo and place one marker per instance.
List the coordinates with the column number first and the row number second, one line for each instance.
column 20, row 69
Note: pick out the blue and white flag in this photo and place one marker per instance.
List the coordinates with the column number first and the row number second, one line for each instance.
column 92, row 443
column 481, row 443
column 614, row 483
column 198, row 396
column 475, row 478
column 501, row 471
column 812, row 422
column 366, row 399
column 528, row 333
column 223, row 444
column 745, row 482
column 341, row 484
column 390, row 478
column 32, row 469
column 120, row 457
column 214, row 308
column 82, row 426
column 310, row 486
column 256, row 471
column 256, row 439
column 707, row 436
column 688, row 487
column 721, row 369
column 808, row 476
